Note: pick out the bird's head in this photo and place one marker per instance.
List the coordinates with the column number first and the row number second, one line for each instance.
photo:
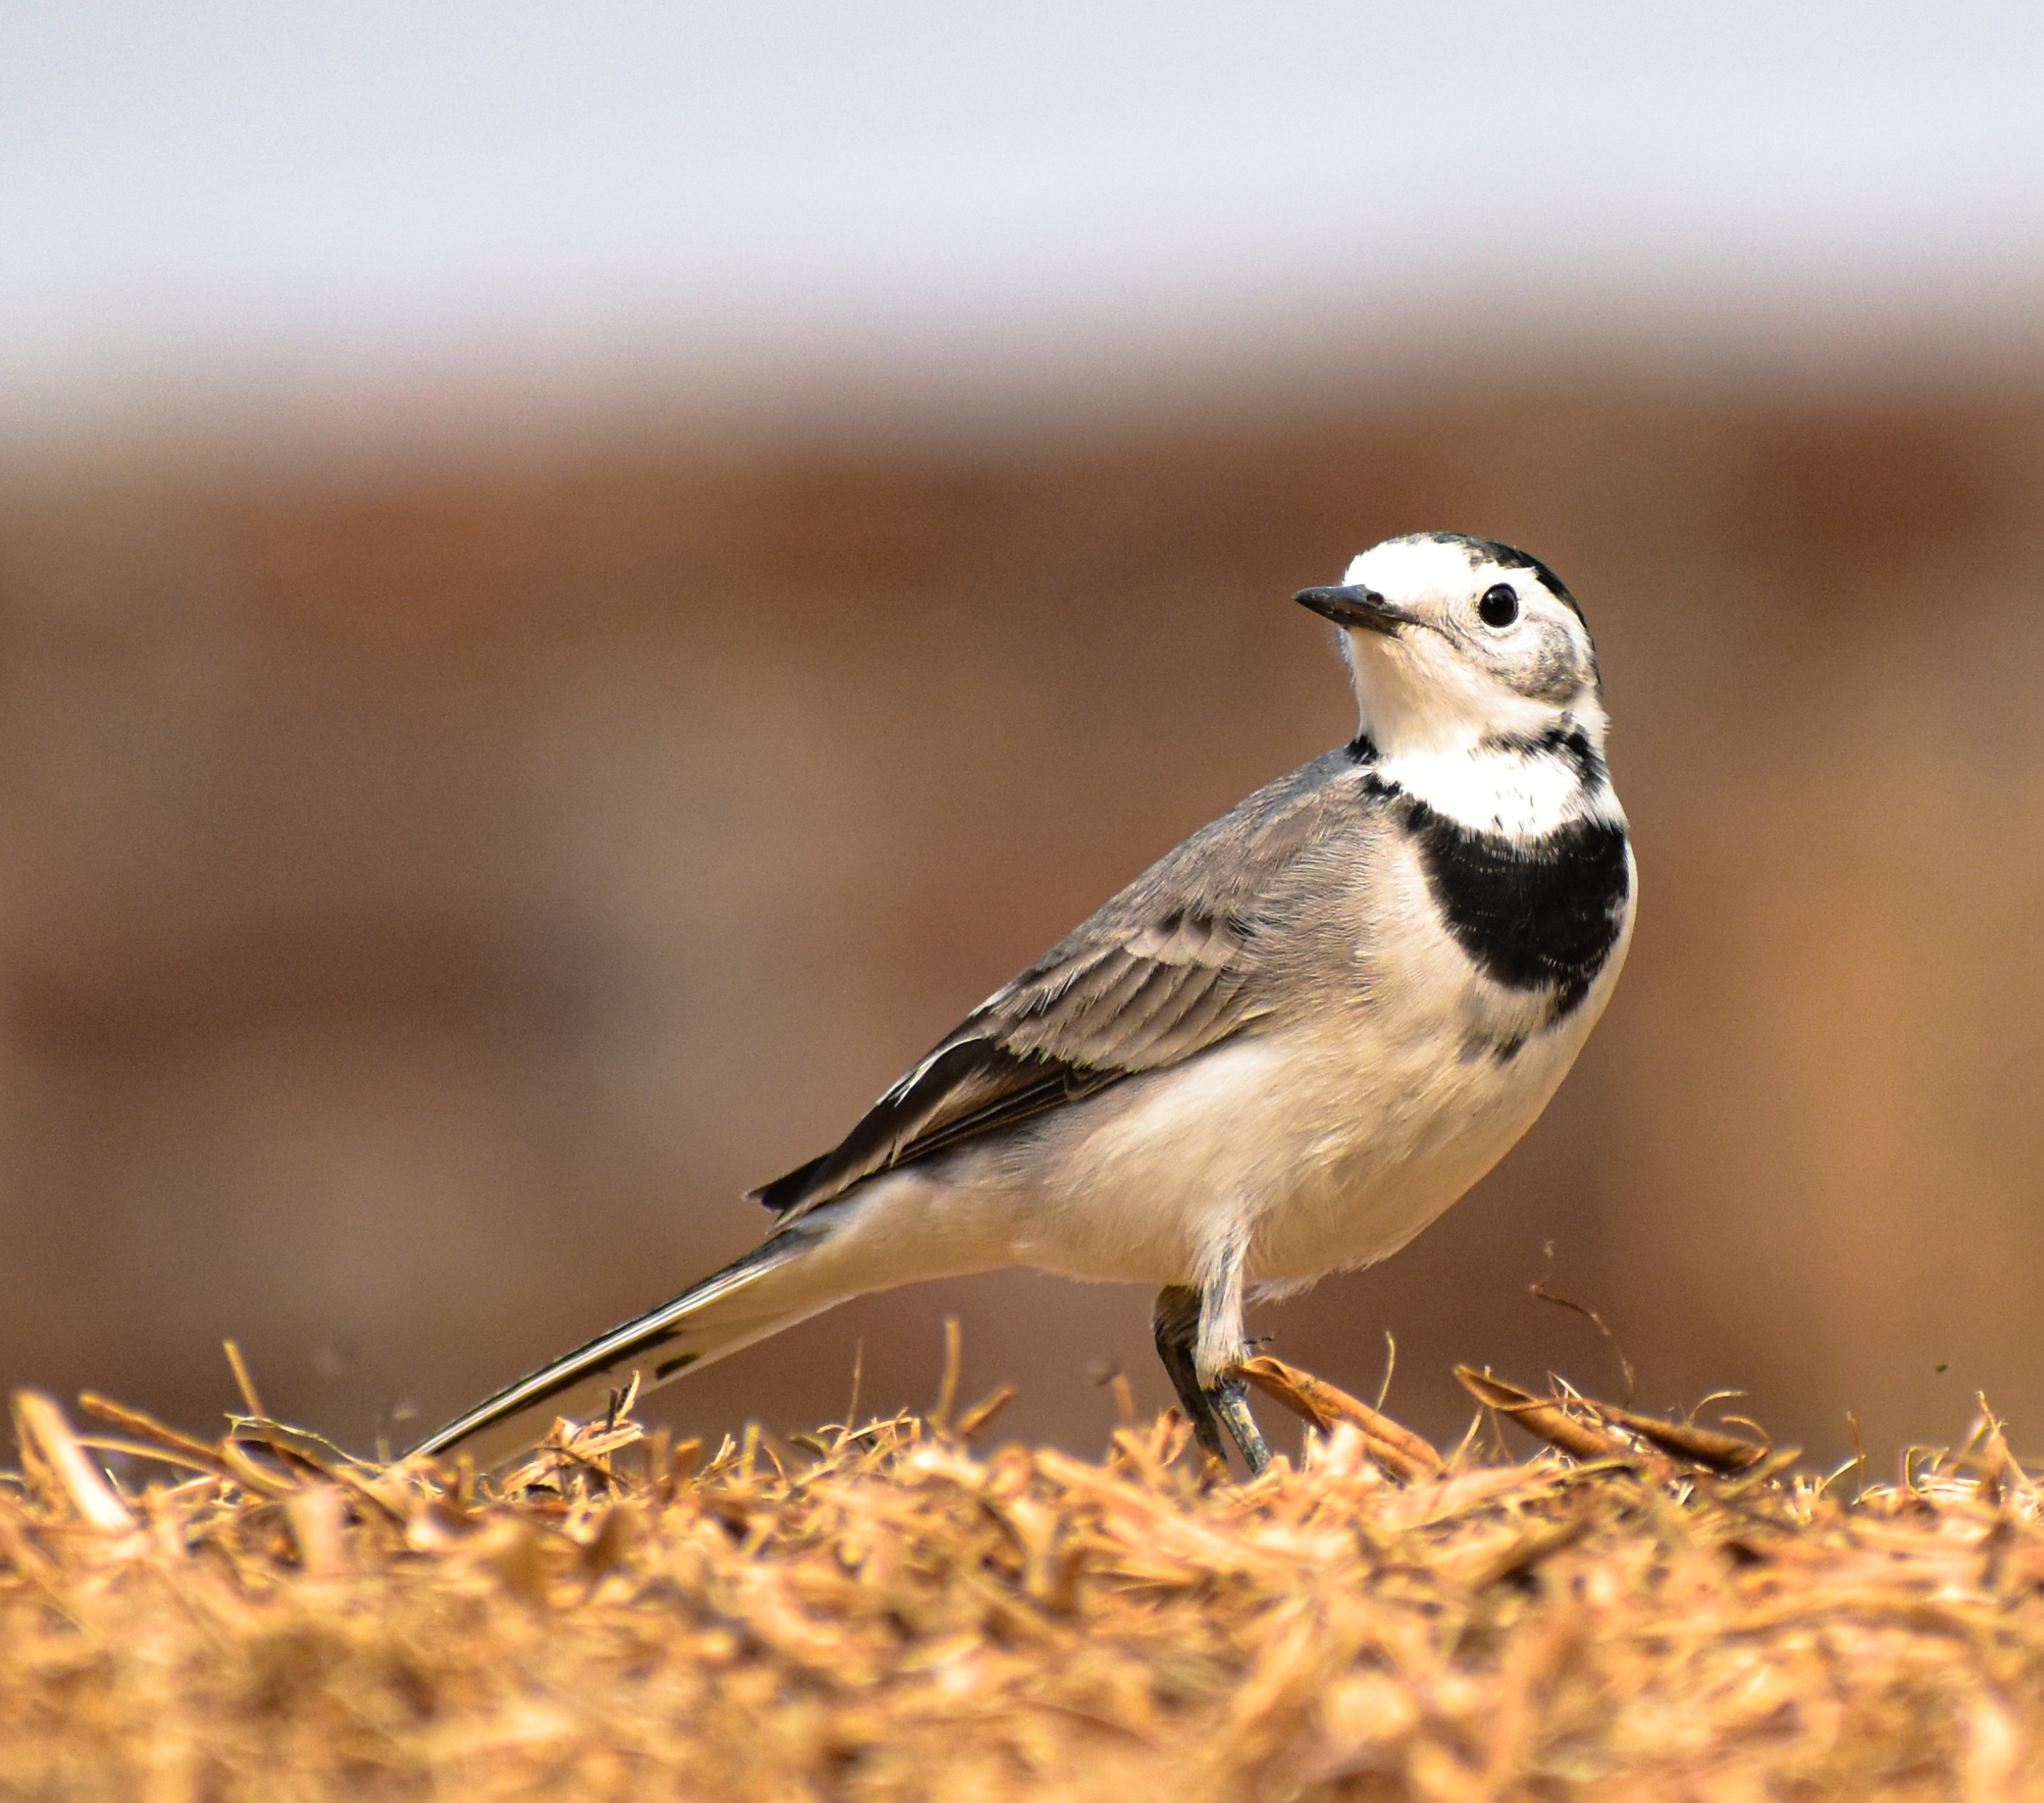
column 1456, row 643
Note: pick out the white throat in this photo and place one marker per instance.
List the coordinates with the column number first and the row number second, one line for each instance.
column 1514, row 792
column 1491, row 761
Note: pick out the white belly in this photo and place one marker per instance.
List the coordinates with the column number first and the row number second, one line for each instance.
column 1315, row 1164
column 1318, row 1165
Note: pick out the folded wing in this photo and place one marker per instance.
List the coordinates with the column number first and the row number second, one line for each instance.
column 1177, row 963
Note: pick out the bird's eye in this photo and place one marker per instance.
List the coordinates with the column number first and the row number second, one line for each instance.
column 1500, row 605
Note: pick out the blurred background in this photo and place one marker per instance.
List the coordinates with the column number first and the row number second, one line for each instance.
column 577, row 585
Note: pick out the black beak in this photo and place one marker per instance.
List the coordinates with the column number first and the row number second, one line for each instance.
column 1360, row 607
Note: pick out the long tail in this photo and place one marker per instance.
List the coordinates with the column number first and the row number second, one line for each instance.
column 729, row 1309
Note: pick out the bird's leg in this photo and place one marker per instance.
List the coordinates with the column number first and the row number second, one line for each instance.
column 1225, row 1403
column 1221, row 1343
column 1177, row 1325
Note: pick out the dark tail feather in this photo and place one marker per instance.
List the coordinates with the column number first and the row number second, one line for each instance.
column 729, row 1309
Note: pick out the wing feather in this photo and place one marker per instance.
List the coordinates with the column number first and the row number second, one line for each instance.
column 1176, row 963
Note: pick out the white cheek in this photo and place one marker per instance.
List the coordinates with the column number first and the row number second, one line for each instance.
column 1419, row 694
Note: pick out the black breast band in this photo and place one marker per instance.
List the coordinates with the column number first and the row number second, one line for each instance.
column 1533, row 914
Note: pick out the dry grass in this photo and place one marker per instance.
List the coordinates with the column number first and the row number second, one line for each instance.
column 1657, row 1612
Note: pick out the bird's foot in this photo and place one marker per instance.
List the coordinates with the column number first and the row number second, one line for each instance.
column 1229, row 1401
column 1224, row 1404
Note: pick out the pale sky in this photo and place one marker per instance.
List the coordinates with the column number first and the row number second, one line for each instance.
column 189, row 188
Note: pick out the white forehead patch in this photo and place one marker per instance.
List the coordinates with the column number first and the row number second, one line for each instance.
column 1410, row 569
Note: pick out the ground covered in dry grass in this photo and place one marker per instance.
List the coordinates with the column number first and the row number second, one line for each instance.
column 1644, row 1609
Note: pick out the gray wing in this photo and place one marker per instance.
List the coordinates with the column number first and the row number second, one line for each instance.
column 1177, row 963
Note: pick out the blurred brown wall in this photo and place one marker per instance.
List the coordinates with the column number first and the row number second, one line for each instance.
column 429, row 900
